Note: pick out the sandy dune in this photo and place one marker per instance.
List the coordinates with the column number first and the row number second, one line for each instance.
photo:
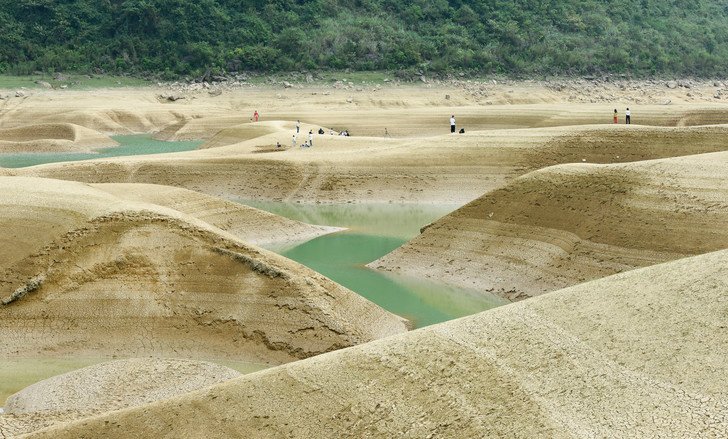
column 614, row 357
column 251, row 225
column 566, row 224
column 53, row 137
column 406, row 110
column 105, row 276
column 360, row 169
column 118, row 266
column 106, row 387
column 519, row 127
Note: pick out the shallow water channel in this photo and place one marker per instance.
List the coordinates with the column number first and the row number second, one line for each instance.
column 134, row 144
column 373, row 231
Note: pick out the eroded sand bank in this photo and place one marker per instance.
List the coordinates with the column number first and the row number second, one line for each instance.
column 101, row 275
column 502, row 141
column 52, row 137
column 567, row 224
column 164, row 271
column 106, row 387
column 612, row 357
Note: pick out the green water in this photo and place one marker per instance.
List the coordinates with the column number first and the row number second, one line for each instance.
column 137, row 144
column 375, row 230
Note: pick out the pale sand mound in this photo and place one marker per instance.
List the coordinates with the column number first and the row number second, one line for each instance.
column 566, row 224
column 104, row 276
column 247, row 131
column 198, row 128
column 253, row 226
column 360, row 169
column 106, row 387
column 58, row 137
column 623, row 144
column 639, row 354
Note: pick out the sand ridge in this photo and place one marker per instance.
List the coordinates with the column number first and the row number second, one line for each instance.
column 360, row 169
column 612, row 357
column 163, row 271
column 107, row 276
column 529, row 126
column 52, row 137
column 106, row 387
column 570, row 223
column 251, row 225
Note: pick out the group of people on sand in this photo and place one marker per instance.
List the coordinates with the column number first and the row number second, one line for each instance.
column 306, row 144
column 309, row 142
column 627, row 120
column 627, row 116
column 453, row 127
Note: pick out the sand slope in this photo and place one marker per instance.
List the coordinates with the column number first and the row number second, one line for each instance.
column 105, row 387
column 253, row 226
column 567, row 224
column 361, row 169
column 614, row 357
column 105, row 276
column 56, row 137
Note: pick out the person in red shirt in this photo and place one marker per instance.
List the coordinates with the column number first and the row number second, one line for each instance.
column 255, row 116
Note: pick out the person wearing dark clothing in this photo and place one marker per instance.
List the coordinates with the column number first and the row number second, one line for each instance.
column 627, row 115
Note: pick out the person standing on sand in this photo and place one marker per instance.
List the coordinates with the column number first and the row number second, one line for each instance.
column 294, row 141
column 255, row 116
column 627, row 115
column 298, row 126
column 616, row 116
column 310, row 137
column 452, row 124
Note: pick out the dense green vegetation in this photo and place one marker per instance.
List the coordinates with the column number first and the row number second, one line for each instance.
column 173, row 37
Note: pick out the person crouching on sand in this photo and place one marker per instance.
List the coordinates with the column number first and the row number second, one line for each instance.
column 616, row 116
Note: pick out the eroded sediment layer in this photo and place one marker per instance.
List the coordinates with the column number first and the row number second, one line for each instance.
column 106, row 387
column 101, row 275
column 52, row 137
column 360, row 169
column 614, row 357
column 571, row 223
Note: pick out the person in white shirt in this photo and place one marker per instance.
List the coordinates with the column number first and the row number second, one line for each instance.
column 627, row 115
column 298, row 126
column 452, row 123
column 294, row 141
column 310, row 137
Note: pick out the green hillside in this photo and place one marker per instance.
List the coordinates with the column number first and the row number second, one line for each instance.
column 175, row 37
